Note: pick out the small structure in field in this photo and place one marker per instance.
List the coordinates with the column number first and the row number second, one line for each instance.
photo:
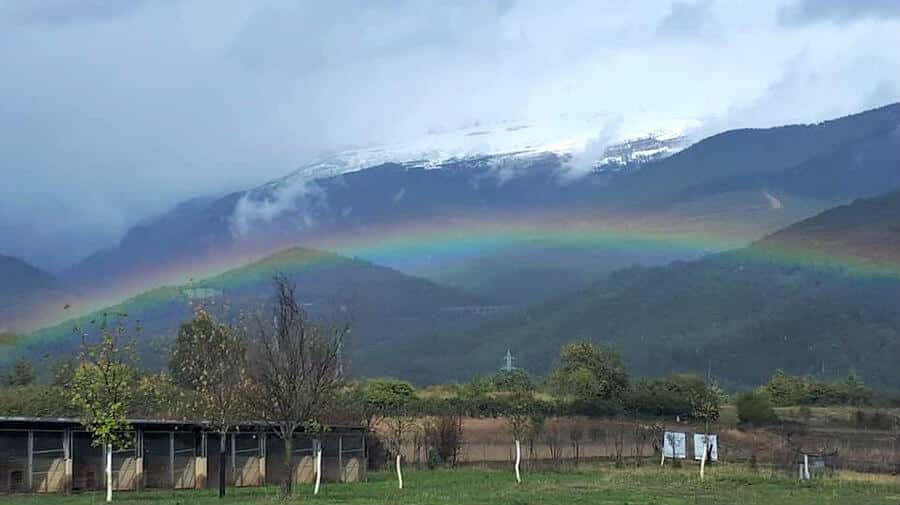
column 55, row 455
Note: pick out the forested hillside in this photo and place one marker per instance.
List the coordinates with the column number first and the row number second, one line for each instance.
column 821, row 297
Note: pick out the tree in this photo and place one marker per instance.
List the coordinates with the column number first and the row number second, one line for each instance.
column 519, row 411
column 590, row 372
column 102, row 390
column 855, row 389
column 296, row 366
column 21, row 374
column 513, row 380
column 705, row 406
column 391, row 401
column 669, row 396
column 210, row 360
column 785, row 390
column 385, row 397
column 754, row 408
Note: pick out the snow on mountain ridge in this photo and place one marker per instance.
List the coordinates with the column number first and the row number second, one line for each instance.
column 564, row 138
column 581, row 145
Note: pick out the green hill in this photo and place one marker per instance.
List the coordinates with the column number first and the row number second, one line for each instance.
column 377, row 302
column 820, row 297
column 24, row 288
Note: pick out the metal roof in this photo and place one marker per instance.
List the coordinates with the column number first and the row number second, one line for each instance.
column 144, row 422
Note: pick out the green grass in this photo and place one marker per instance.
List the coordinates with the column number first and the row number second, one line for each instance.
column 584, row 486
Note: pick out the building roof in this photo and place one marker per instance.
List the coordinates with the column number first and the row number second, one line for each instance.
column 19, row 421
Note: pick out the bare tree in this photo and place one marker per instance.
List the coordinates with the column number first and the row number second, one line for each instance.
column 296, row 365
column 554, row 440
column 576, row 435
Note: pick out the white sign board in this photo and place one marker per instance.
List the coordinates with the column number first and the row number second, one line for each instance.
column 675, row 445
column 700, row 443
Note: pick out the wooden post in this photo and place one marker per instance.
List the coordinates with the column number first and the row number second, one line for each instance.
column 340, row 458
column 703, row 457
column 29, row 478
column 67, row 458
column 223, row 440
column 234, row 480
column 318, row 446
column 172, row 459
column 263, row 457
column 109, row 482
column 399, row 473
column 518, row 460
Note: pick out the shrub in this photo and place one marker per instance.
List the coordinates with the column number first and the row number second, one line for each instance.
column 755, row 409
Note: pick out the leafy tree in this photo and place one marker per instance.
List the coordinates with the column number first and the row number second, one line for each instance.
column 590, row 372
column 37, row 401
column 706, row 404
column 386, row 397
column 669, row 396
column 21, row 374
column 855, row 389
column 512, row 381
column 296, row 366
column 210, row 360
column 755, row 408
column 103, row 387
column 785, row 390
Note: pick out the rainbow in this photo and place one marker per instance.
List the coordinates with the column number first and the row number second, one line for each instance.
column 422, row 246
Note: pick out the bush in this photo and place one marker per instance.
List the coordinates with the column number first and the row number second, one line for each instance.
column 670, row 396
column 755, row 409
column 513, row 381
column 444, row 438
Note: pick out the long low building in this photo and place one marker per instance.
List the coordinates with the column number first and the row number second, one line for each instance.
column 55, row 455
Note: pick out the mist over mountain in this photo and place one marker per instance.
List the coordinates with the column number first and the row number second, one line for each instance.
column 25, row 292
column 405, row 214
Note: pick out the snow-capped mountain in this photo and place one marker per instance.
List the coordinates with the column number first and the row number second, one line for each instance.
column 598, row 142
column 521, row 171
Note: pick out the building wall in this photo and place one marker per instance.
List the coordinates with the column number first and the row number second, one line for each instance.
column 55, row 461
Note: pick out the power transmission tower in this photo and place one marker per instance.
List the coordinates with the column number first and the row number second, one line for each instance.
column 508, row 362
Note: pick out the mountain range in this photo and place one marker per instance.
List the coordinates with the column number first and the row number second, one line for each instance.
column 820, row 297
column 445, row 262
column 743, row 183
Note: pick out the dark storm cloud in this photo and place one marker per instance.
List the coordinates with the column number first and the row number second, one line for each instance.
column 112, row 111
column 801, row 12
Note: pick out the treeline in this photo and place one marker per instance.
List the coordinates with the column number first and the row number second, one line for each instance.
column 590, row 380
column 788, row 390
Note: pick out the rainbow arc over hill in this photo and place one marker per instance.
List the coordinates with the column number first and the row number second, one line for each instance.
column 425, row 245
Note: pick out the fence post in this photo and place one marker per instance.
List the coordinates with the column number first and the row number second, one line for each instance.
column 29, row 477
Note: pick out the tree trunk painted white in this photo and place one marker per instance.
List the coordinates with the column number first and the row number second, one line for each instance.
column 703, row 457
column 806, row 466
column 318, row 470
column 109, row 479
column 399, row 473
column 518, row 460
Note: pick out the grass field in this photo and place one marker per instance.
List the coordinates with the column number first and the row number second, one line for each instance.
column 584, row 486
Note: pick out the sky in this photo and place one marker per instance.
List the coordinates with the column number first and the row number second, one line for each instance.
column 112, row 112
